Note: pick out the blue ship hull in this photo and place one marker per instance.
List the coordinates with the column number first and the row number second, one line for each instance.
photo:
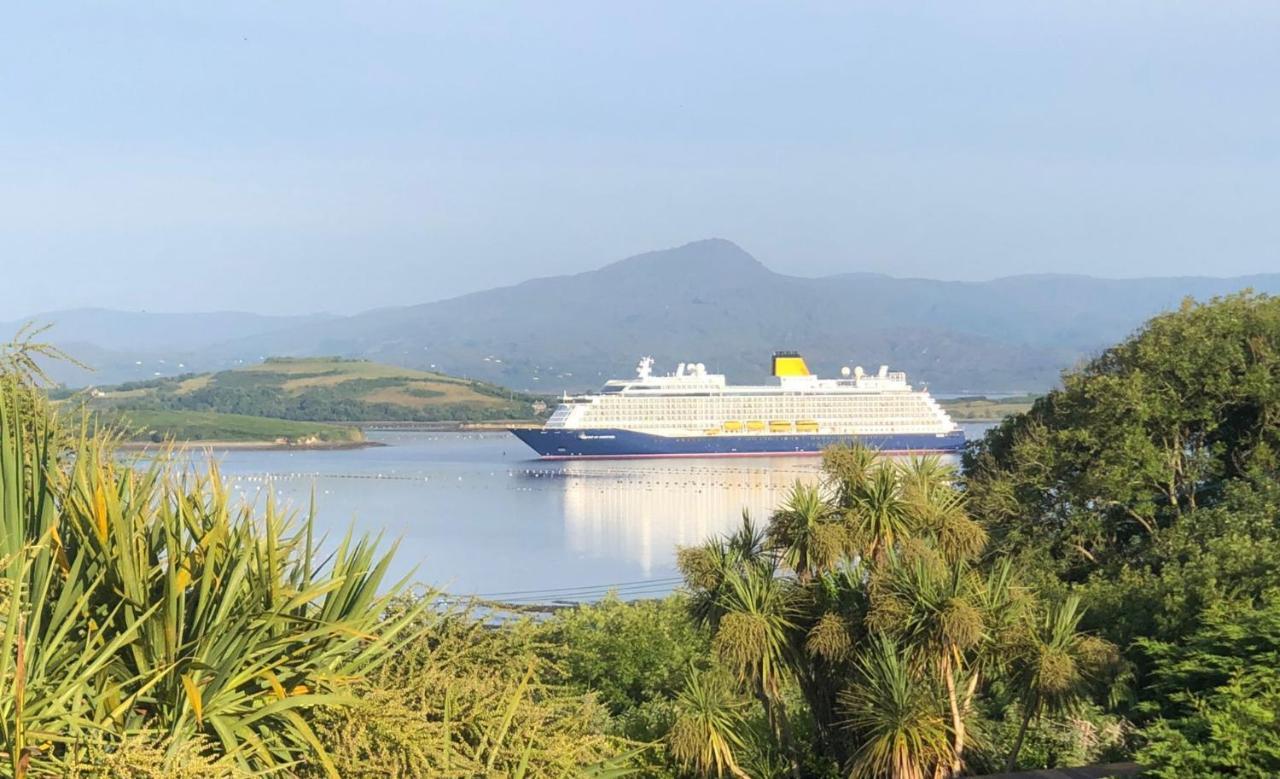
column 563, row 444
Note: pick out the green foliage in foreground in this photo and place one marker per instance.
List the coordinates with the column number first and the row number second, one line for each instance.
column 1149, row 484
column 151, row 627
column 1101, row 585
column 629, row 654
column 1217, row 695
column 157, row 426
column 465, row 700
column 137, row 600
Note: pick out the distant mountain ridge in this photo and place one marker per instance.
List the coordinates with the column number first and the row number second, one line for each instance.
column 710, row 301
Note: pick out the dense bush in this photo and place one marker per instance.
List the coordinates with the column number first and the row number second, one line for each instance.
column 140, row 601
column 464, row 699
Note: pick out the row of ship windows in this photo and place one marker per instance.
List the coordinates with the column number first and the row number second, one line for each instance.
column 747, row 414
column 730, row 413
column 649, row 404
column 855, row 401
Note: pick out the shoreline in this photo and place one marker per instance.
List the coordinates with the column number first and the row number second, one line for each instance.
column 440, row 427
column 141, row 446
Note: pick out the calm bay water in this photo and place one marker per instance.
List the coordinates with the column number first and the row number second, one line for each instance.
column 479, row 514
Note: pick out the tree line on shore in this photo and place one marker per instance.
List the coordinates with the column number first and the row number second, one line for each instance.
column 1097, row 582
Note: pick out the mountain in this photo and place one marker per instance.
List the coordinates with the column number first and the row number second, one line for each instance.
column 130, row 345
column 144, row 331
column 712, row 302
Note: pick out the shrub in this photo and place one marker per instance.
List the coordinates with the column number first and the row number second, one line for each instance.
column 137, row 599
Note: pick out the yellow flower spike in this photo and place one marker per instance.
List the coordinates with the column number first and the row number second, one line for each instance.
column 100, row 511
column 276, row 687
column 193, row 695
column 60, row 551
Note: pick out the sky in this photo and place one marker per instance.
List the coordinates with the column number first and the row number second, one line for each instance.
column 289, row 157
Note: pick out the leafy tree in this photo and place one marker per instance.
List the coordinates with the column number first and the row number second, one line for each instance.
column 1217, row 695
column 627, row 653
column 1149, row 486
column 1148, row 431
column 1231, row 730
column 892, row 641
column 1206, row 560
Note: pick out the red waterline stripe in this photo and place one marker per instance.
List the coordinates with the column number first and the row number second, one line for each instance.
column 726, row 454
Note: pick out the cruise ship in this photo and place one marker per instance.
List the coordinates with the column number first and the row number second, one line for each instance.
column 692, row 413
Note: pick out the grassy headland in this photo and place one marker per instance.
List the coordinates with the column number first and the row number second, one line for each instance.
column 316, row 400
column 979, row 408
column 215, row 427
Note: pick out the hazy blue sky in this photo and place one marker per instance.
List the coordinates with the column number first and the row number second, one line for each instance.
column 295, row 156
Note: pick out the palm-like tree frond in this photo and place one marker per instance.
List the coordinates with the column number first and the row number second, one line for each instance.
column 755, row 629
column 893, row 710
column 23, row 358
column 806, row 531
column 846, row 469
column 1056, row 667
column 136, row 598
column 706, row 735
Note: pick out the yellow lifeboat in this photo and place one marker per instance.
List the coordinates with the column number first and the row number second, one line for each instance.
column 732, row 426
column 755, row 426
column 779, row 426
column 806, row 426
column 712, row 431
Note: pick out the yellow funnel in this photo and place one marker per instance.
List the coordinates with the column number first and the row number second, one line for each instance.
column 789, row 364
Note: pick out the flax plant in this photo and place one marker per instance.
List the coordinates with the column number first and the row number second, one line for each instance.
column 136, row 598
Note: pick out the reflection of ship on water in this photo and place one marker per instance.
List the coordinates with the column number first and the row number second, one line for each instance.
column 643, row 514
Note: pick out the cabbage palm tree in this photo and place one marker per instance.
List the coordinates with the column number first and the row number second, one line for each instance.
column 846, row 469
column 877, row 516
column 736, row 593
column 708, row 726
column 942, row 516
column 938, row 509
column 1056, row 667
column 807, row 533
column 707, row 567
column 754, row 640
column 952, row 618
column 893, row 713
column 926, row 473
column 928, row 607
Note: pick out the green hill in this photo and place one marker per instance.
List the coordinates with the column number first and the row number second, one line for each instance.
column 313, row 390
column 983, row 409
column 211, row 426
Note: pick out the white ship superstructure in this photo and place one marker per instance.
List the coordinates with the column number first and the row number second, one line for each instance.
column 692, row 402
column 694, row 412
